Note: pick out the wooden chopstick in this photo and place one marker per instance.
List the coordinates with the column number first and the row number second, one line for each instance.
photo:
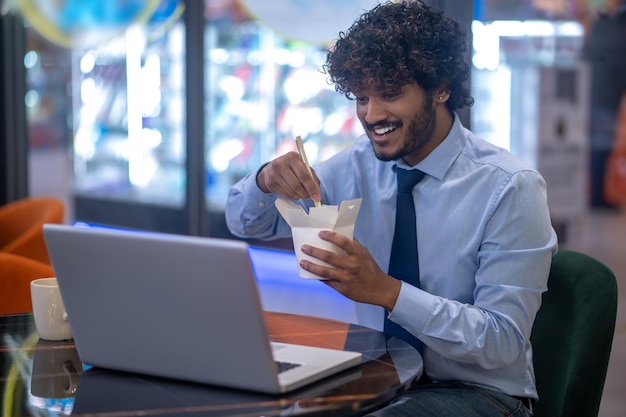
column 302, row 153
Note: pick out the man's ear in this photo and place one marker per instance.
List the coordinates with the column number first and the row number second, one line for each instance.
column 442, row 95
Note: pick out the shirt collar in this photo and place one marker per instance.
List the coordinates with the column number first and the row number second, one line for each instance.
column 439, row 161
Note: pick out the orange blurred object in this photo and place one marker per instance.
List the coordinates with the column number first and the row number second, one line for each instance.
column 21, row 226
column 16, row 273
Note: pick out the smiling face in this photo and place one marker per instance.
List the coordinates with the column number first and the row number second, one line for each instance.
column 408, row 123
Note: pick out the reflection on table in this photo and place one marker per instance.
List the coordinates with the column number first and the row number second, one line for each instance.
column 38, row 377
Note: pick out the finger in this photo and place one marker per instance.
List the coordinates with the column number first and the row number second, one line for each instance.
column 339, row 240
column 280, row 184
column 328, row 257
column 312, row 186
column 308, row 180
column 282, row 178
column 321, row 271
column 305, row 183
column 294, row 177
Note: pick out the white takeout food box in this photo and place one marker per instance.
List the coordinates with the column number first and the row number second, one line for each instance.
column 306, row 226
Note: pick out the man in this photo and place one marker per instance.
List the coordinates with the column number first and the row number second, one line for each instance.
column 484, row 236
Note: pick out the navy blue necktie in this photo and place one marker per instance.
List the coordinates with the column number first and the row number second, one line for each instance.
column 403, row 262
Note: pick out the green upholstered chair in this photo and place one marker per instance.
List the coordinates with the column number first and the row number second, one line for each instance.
column 572, row 336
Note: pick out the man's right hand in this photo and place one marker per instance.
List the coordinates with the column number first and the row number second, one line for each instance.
column 288, row 176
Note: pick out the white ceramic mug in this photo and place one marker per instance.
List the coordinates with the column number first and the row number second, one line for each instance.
column 49, row 311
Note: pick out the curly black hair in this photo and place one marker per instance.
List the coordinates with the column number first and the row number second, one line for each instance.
column 399, row 43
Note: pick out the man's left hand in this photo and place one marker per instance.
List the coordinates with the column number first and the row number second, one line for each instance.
column 353, row 273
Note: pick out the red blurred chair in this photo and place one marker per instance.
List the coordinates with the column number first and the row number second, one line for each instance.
column 21, row 225
column 16, row 273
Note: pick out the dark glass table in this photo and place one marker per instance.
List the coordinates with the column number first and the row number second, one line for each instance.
column 39, row 377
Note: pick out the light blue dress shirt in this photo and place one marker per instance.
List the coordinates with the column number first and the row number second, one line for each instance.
column 485, row 244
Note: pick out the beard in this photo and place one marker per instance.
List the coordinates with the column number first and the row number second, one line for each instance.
column 419, row 132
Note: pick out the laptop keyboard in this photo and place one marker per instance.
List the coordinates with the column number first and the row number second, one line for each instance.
column 285, row 366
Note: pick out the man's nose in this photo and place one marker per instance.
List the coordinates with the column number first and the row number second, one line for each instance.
column 375, row 112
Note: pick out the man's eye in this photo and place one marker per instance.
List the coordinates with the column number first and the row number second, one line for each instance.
column 361, row 99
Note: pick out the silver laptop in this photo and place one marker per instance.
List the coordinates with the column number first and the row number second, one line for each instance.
column 176, row 306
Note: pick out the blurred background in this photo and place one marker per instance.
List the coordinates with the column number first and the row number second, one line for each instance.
column 143, row 113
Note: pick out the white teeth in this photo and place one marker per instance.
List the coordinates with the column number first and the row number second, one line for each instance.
column 383, row 130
